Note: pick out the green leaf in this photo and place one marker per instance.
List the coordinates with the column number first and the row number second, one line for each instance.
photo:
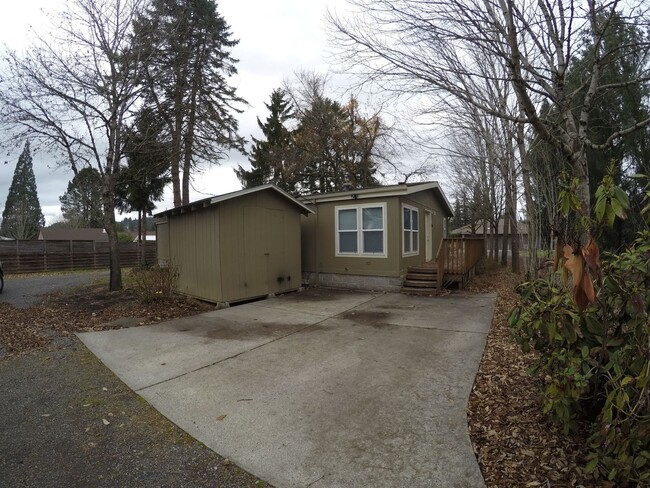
column 612, row 474
column 609, row 216
column 591, row 466
column 617, row 207
column 627, row 380
column 621, row 197
column 599, row 209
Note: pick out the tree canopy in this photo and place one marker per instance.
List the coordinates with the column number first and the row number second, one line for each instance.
column 81, row 204
column 270, row 157
column 22, row 217
column 187, row 45
column 329, row 147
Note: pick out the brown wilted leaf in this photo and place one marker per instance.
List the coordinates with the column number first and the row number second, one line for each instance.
column 591, row 253
column 588, row 288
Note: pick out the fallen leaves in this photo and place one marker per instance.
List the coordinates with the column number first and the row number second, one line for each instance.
column 515, row 443
column 89, row 309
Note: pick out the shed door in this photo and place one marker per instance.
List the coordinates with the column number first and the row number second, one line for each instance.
column 255, row 255
column 279, row 274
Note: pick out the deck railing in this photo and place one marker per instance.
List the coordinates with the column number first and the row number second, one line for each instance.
column 458, row 256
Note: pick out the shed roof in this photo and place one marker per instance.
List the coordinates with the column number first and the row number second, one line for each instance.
column 383, row 191
column 71, row 234
column 215, row 200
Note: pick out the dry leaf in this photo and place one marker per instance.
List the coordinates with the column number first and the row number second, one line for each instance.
column 588, row 287
column 220, row 418
column 591, row 254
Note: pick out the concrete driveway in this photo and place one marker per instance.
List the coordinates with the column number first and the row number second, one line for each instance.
column 321, row 388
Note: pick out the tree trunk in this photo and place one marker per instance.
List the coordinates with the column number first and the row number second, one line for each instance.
column 504, row 237
column 142, row 231
column 531, row 211
column 108, row 202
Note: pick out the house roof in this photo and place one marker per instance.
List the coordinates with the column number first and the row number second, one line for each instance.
column 522, row 228
column 383, row 191
column 206, row 202
column 71, row 234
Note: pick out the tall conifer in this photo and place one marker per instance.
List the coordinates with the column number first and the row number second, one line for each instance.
column 22, row 217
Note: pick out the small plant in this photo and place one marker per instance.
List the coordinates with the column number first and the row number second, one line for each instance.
column 154, row 283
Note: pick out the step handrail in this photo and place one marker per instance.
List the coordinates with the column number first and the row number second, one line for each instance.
column 458, row 255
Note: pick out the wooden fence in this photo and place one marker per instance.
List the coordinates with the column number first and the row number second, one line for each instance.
column 457, row 258
column 39, row 256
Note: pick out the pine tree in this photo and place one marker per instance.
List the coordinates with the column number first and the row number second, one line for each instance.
column 269, row 156
column 187, row 47
column 81, row 204
column 22, row 217
column 142, row 182
column 335, row 147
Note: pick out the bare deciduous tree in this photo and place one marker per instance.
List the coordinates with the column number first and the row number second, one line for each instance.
column 72, row 91
column 433, row 48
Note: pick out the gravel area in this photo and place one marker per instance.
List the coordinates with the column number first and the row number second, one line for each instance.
column 23, row 291
column 68, row 421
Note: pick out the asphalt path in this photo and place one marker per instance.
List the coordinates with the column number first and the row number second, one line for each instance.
column 25, row 291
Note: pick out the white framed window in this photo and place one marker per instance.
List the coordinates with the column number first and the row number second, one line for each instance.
column 410, row 231
column 361, row 230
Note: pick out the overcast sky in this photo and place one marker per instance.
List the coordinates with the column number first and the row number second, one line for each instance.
column 277, row 38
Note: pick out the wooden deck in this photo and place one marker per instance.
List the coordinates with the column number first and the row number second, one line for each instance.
column 455, row 264
column 457, row 258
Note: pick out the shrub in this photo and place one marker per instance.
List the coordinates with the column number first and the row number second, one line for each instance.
column 595, row 363
column 154, row 283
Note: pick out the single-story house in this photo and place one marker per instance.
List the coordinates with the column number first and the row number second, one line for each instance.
column 368, row 238
column 234, row 247
column 73, row 234
column 478, row 230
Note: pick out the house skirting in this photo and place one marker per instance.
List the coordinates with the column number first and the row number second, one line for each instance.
column 335, row 280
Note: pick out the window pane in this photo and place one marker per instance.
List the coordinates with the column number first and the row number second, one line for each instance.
column 373, row 218
column 348, row 219
column 415, row 241
column 407, row 241
column 348, row 242
column 407, row 218
column 415, row 220
column 373, row 241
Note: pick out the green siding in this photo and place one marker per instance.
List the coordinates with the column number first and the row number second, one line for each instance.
column 241, row 248
column 319, row 242
column 162, row 242
column 319, row 237
column 194, row 251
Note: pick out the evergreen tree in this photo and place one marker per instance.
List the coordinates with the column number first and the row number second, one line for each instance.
column 187, row 47
column 142, row 182
column 81, row 204
column 269, row 157
column 22, row 217
column 334, row 147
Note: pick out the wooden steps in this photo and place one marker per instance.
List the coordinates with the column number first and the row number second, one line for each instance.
column 420, row 280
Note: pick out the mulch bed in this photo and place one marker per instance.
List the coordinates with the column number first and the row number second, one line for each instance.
column 515, row 442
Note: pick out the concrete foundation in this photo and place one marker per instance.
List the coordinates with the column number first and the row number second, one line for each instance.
column 357, row 282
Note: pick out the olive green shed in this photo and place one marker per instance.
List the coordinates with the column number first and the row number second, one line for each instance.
column 234, row 247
